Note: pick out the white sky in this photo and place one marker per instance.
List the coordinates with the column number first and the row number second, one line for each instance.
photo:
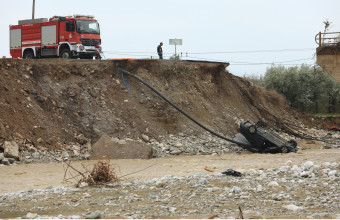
column 136, row 27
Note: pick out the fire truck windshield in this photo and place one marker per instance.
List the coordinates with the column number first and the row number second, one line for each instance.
column 87, row 27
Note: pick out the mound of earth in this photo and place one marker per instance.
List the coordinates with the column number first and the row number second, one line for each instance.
column 56, row 104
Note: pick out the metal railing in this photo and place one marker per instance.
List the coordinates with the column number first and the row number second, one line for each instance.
column 327, row 39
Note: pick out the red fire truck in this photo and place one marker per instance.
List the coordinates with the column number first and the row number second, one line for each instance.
column 66, row 37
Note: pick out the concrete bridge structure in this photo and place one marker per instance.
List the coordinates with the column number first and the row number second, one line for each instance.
column 328, row 53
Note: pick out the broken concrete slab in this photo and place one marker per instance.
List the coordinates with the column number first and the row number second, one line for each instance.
column 11, row 149
column 113, row 148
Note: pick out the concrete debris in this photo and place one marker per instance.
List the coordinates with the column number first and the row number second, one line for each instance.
column 11, row 150
column 114, row 148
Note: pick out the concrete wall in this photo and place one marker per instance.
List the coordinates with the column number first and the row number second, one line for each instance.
column 330, row 63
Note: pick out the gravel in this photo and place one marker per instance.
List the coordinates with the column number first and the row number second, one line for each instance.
column 277, row 192
column 165, row 146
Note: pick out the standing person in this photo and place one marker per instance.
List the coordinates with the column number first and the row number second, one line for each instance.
column 160, row 51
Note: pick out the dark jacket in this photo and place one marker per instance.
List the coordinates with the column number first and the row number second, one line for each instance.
column 159, row 49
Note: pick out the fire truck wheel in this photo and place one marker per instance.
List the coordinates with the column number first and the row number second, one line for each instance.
column 29, row 55
column 66, row 54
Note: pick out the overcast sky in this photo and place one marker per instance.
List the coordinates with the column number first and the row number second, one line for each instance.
column 219, row 30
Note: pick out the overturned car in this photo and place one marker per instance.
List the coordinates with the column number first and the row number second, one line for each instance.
column 257, row 139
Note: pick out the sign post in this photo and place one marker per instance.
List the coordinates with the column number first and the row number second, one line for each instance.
column 175, row 42
column 33, row 9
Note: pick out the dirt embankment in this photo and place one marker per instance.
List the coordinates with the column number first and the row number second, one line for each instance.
column 54, row 103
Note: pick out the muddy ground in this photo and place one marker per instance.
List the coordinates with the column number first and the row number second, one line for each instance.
column 52, row 108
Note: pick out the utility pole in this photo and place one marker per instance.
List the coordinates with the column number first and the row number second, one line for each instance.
column 33, row 9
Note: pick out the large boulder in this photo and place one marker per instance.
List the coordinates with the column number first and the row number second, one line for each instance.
column 11, row 149
column 114, row 148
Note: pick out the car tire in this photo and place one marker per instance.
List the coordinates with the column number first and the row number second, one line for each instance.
column 261, row 124
column 66, row 54
column 292, row 142
column 252, row 129
column 285, row 150
column 28, row 55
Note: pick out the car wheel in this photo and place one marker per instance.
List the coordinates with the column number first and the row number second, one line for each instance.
column 284, row 150
column 29, row 55
column 252, row 129
column 293, row 143
column 261, row 124
column 66, row 54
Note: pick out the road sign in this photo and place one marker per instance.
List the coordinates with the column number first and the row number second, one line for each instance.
column 175, row 41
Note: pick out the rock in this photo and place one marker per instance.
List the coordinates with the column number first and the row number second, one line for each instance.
column 308, row 165
column 284, row 169
column 203, row 181
column 117, row 149
column 65, row 154
column 2, row 156
column 36, row 155
column 5, row 161
column 152, row 195
column 326, row 164
column 176, row 152
column 295, row 168
column 332, row 173
column 83, row 184
column 11, row 160
column 145, row 138
column 96, row 130
column 76, row 153
column 94, row 215
column 259, row 188
column 273, row 184
column 289, row 163
column 27, row 161
column 11, row 149
column 293, row 207
column 304, row 174
column 236, row 190
column 179, row 145
column 30, row 215
column 81, row 139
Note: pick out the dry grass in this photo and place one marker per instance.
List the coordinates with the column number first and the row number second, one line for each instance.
column 102, row 172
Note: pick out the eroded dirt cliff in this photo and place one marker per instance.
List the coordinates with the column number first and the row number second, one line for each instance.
column 53, row 103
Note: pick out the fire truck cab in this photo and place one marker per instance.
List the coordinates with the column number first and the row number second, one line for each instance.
column 76, row 36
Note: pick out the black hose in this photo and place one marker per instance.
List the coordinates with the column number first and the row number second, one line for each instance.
column 176, row 107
